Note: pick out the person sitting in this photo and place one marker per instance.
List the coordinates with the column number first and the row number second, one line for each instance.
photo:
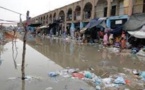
column 123, row 40
column 105, row 39
column 117, row 42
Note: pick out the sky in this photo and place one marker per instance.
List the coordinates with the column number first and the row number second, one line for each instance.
column 36, row 7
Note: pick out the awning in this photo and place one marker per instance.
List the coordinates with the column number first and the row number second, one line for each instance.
column 114, row 21
column 139, row 33
column 135, row 22
column 93, row 23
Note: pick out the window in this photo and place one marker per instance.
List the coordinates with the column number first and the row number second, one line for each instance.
column 113, row 10
column 105, row 12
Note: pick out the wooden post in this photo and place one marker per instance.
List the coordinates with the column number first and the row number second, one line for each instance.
column 93, row 10
column 24, row 47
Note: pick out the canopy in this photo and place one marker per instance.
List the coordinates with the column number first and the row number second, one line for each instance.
column 135, row 22
column 114, row 21
column 139, row 33
column 93, row 23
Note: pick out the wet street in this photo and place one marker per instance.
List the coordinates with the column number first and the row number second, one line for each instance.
column 48, row 55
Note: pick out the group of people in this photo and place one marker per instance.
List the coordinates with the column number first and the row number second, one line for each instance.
column 96, row 35
column 117, row 41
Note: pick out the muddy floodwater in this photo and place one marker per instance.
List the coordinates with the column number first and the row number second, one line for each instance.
column 48, row 55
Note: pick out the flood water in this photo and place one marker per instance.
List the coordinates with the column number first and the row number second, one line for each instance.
column 46, row 55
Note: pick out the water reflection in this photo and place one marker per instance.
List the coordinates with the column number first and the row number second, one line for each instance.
column 71, row 48
column 30, row 37
column 14, row 52
column 23, row 84
column 85, row 56
column 2, row 50
column 0, row 62
column 0, row 55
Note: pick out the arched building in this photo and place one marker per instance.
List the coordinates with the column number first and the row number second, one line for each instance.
column 85, row 10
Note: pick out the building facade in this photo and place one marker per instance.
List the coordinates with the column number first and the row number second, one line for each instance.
column 84, row 10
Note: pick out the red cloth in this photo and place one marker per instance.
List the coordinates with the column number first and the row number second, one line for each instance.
column 123, row 43
column 78, row 75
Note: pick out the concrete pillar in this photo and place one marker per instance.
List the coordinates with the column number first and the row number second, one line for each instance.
column 56, row 16
column 52, row 17
column 130, row 10
column 109, row 8
column 118, row 8
column 65, row 24
column 93, row 9
column 82, row 8
column 73, row 10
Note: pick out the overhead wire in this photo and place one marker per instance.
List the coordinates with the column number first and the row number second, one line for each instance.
column 20, row 14
column 10, row 10
column 8, row 20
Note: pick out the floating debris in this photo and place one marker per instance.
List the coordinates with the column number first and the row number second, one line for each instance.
column 49, row 88
column 115, row 81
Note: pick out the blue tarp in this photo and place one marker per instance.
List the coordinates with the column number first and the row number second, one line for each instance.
column 93, row 23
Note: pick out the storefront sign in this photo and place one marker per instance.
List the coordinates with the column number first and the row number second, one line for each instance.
column 118, row 22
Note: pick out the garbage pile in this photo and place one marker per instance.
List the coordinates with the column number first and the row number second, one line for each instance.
column 141, row 52
column 119, row 81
